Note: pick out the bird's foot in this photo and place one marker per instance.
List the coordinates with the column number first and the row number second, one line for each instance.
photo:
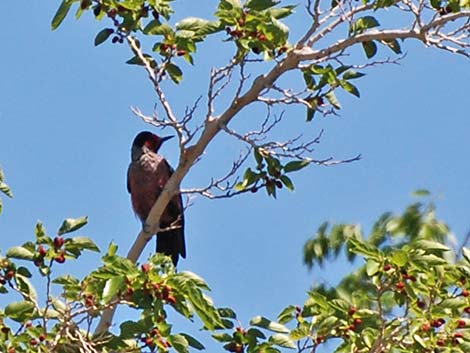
column 146, row 228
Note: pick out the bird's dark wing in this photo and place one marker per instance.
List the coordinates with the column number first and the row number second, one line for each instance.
column 128, row 179
column 172, row 241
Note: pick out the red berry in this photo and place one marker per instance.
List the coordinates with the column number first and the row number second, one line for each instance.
column 29, row 324
column 463, row 280
column 358, row 321
column 145, row 268
column 58, row 242
column 458, row 335
column 42, row 250
column 149, row 341
column 352, row 310
column 352, row 327
column 60, row 259
column 42, row 337
column 320, row 339
column 420, row 303
column 262, row 37
column 164, row 47
column 11, row 350
column 401, row 285
column 171, row 299
column 387, row 267
column 467, row 309
column 465, row 293
column 426, row 327
column 2, row 280
column 5, row 329
column 462, row 323
column 112, row 13
column 10, row 274
column 440, row 342
column 33, row 342
column 181, row 52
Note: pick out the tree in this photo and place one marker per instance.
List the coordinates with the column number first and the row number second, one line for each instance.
column 255, row 28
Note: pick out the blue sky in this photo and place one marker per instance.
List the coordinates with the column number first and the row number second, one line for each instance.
column 66, row 130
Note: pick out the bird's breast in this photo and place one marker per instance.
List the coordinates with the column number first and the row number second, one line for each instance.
column 146, row 183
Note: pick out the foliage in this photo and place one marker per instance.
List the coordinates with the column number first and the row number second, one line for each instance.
column 410, row 294
column 65, row 320
column 255, row 28
column 4, row 188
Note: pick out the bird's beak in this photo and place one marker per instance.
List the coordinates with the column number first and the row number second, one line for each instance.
column 163, row 139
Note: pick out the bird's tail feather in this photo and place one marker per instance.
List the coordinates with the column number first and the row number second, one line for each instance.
column 171, row 243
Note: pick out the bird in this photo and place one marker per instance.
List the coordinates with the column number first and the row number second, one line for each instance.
column 147, row 175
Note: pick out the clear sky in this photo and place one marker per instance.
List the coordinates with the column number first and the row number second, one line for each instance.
column 66, row 130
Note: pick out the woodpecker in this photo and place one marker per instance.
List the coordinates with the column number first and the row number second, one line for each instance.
column 147, row 175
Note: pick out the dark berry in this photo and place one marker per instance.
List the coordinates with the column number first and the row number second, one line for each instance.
column 58, row 242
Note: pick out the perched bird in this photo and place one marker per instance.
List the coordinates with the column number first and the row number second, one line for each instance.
column 147, row 175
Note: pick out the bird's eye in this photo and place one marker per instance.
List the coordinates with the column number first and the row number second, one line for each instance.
column 149, row 144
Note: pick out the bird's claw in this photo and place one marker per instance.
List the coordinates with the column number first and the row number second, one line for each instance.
column 146, row 228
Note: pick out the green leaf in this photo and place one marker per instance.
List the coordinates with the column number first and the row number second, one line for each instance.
column 466, row 254
column 370, row 49
column 310, row 114
column 20, row 311
column 431, row 245
column 103, row 35
column 72, row 224
column 436, row 4
column 282, row 12
column 282, row 341
column 351, row 74
column 296, row 165
column 191, row 24
column 372, row 267
column 155, row 27
column 230, row 4
column 350, row 88
column 227, row 313
column 131, row 328
column 82, row 243
column 400, row 258
column 61, row 13
column 19, row 252
column 179, row 343
column 287, row 314
column 421, row 192
column 112, row 287
column 287, row 182
column 364, row 23
column 262, row 322
column 41, row 236
column 260, row 5
column 175, row 73
column 6, row 189
column 26, row 287
column 393, row 44
column 222, row 337
column 193, row 342
column 333, row 100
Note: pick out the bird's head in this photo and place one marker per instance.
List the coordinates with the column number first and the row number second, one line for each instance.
column 147, row 141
